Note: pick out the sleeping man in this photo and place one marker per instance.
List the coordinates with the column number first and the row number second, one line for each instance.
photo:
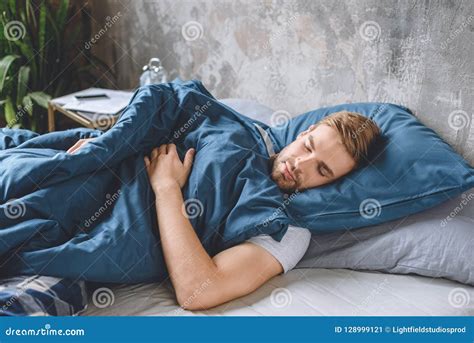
column 321, row 154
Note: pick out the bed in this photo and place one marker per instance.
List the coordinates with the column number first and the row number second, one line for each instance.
column 306, row 290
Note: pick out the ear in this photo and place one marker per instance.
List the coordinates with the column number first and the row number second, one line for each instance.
column 308, row 130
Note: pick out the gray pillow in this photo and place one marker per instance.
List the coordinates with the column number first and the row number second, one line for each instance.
column 434, row 243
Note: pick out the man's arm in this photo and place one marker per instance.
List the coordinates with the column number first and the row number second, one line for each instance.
column 200, row 282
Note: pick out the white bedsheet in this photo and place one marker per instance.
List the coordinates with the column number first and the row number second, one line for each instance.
column 311, row 292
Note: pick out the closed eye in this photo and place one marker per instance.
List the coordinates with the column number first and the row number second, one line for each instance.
column 321, row 167
column 321, row 172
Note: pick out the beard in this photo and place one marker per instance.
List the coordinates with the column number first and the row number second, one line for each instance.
column 276, row 164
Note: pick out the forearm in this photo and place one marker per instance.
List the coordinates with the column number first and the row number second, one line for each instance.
column 187, row 261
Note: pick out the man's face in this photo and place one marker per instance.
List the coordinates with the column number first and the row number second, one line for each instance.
column 315, row 158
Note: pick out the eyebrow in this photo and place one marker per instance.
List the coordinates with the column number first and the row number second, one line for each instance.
column 323, row 165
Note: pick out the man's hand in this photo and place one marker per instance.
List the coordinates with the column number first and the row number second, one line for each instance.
column 78, row 145
column 165, row 168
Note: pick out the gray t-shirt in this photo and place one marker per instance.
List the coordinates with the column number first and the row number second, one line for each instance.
column 289, row 250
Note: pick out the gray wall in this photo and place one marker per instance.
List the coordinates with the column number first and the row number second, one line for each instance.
column 300, row 55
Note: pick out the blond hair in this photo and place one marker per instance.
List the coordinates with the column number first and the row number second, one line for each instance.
column 357, row 132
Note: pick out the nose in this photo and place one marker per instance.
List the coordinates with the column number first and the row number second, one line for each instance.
column 303, row 162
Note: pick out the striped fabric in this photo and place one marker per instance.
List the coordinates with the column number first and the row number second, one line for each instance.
column 41, row 296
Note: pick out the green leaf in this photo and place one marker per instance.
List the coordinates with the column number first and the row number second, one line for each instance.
column 42, row 36
column 23, row 76
column 40, row 98
column 33, row 124
column 28, row 53
column 12, row 4
column 28, row 104
column 10, row 113
column 30, row 13
column 61, row 14
column 5, row 64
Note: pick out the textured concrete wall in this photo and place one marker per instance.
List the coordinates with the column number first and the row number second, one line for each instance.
column 300, row 55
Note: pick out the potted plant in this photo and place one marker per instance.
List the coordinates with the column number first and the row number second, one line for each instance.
column 41, row 56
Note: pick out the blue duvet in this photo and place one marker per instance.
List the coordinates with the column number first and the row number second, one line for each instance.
column 91, row 215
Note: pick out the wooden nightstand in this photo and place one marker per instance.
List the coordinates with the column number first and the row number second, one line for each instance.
column 101, row 121
column 84, row 121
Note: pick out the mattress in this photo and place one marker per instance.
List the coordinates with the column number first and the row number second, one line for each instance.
column 308, row 292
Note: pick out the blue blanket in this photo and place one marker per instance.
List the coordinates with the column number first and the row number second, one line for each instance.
column 91, row 215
